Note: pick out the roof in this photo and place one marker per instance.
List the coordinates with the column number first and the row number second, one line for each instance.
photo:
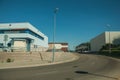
column 19, row 26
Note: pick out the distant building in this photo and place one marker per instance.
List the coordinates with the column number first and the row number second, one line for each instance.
column 83, row 47
column 22, row 37
column 59, row 46
column 112, row 37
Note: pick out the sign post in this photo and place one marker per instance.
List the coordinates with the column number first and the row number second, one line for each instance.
column 5, row 39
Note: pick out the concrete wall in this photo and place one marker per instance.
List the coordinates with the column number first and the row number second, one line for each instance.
column 97, row 42
column 112, row 37
column 35, row 56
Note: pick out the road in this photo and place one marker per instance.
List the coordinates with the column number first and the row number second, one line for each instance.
column 87, row 67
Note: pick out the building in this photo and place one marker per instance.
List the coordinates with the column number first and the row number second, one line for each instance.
column 59, row 46
column 22, row 37
column 112, row 37
column 83, row 47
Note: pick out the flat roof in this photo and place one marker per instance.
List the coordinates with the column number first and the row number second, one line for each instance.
column 19, row 26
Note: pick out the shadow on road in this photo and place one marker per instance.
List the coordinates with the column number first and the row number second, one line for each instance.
column 94, row 74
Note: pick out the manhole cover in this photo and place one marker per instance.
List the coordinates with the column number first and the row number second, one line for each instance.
column 81, row 72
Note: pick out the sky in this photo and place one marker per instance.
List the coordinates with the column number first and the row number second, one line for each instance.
column 77, row 21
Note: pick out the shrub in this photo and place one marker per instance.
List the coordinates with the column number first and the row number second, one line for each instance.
column 114, row 53
column 9, row 60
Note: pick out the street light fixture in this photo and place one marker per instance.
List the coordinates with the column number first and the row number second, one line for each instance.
column 108, row 26
column 55, row 13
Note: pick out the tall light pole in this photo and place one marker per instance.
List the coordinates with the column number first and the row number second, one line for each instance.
column 54, row 29
column 108, row 26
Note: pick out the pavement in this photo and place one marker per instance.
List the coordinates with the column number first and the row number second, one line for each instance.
column 87, row 67
column 35, row 59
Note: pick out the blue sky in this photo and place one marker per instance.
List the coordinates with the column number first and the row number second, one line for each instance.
column 77, row 20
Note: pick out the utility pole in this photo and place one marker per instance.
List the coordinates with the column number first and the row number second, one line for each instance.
column 54, row 29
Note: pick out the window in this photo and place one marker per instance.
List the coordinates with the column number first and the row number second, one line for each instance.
column 1, row 45
column 22, row 31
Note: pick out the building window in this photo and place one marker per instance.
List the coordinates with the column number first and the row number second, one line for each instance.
column 22, row 31
column 9, row 44
column 1, row 45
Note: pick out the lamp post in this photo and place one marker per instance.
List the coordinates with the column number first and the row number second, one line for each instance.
column 108, row 25
column 54, row 29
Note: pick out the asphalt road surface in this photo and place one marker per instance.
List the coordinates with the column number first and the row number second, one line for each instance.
column 88, row 67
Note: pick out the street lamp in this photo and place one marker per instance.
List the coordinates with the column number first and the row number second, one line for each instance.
column 108, row 25
column 54, row 29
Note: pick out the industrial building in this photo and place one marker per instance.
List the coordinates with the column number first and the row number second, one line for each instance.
column 22, row 37
column 83, row 47
column 108, row 37
column 59, row 46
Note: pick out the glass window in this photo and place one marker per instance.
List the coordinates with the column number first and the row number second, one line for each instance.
column 22, row 31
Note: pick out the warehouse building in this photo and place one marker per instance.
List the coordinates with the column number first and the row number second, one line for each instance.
column 22, row 37
column 59, row 46
column 112, row 37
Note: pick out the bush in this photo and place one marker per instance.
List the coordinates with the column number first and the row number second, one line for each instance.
column 9, row 60
column 114, row 53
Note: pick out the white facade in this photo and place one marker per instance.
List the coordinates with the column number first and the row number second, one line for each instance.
column 22, row 35
column 59, row 46
column 112, row 37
